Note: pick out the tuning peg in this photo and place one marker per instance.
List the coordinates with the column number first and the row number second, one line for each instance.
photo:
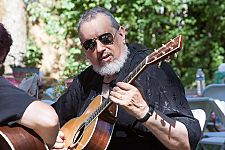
column 163, row 45
column 175, row 55
column 167, row 59
column 159, row 64
column 155, row 50
column 172, row 40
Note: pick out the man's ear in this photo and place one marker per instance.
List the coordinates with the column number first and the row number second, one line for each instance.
column 122, row 33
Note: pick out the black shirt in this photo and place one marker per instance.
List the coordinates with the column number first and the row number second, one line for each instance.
column 161, row 88
column 13, row 102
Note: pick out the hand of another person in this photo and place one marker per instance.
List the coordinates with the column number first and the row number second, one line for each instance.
column 59, row 144
column 130, row 98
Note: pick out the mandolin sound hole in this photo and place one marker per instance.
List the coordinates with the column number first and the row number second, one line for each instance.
column 77, row 137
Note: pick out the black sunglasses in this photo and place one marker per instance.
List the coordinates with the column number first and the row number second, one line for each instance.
column 106, row 39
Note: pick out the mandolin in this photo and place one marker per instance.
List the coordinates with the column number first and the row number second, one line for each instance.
column 90, row 130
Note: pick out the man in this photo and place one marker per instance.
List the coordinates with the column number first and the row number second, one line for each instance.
column 16, row 106
column 153, row 111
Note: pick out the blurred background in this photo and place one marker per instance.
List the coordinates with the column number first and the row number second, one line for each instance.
column 45, row 35
column 45, row 42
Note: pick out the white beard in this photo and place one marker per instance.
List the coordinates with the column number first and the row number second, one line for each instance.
column 114, row 66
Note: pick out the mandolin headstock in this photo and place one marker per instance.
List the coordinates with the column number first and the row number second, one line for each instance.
column 166, row 52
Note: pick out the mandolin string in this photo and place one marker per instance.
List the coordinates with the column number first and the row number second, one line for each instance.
column 98, row 111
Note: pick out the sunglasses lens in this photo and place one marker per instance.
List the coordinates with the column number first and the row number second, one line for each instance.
column 106, row 38
column 89, row 44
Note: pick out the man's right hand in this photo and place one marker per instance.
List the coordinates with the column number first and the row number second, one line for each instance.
column 59, row 144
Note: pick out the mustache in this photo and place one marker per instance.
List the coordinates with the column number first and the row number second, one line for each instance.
column 104, row 55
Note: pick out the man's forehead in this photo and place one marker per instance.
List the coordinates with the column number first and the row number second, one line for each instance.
column 98, row 19
column 95, row 28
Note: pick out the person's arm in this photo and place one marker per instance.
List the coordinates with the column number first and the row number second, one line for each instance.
column 173, row 134
column 18, row 106
column 43, row 119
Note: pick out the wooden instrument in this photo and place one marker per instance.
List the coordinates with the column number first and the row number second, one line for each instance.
column 90, row 131
column 18, row 137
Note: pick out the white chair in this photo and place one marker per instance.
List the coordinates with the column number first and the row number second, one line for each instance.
column 201, row 116
column 215, row 91
column 210, row 140
column 209, row 105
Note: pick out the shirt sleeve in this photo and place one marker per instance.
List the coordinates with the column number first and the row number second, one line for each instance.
column 13, row 102
column 84, row 88
column 171, row 100
column 193, row 128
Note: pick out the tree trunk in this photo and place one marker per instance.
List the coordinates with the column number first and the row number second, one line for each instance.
column 12, row 15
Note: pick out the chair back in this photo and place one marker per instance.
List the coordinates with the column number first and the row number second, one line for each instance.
column 201, row 116
column 216, row 91
column 30, row 85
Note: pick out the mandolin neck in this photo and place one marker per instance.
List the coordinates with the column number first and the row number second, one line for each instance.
column 162, row 53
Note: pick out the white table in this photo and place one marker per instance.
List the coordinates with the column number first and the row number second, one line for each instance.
column 209, row 105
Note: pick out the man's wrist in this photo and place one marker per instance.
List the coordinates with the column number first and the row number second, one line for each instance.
column 147, row 116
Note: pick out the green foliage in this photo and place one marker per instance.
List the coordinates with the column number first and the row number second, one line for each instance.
column 74, row 67
column 201, row 22
column 59, row 89
column 33, row 55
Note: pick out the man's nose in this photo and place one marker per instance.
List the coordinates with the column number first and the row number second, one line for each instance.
column 99, row 46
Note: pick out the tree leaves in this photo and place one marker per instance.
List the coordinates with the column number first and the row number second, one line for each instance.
column 202, row 24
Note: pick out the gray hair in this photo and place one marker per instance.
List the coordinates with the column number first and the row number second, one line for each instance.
column 92, row 13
